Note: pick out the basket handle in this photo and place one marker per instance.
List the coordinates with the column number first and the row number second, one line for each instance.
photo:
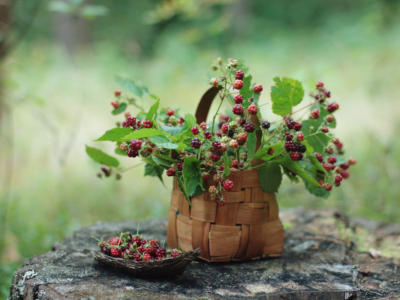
column 204, row 107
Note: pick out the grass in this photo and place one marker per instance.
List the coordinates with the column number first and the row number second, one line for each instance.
column 61, row 104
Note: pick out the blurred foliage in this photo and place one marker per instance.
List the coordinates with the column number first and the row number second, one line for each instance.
column 61, row 102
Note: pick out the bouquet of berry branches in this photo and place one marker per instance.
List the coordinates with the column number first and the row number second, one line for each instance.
column 298, row 143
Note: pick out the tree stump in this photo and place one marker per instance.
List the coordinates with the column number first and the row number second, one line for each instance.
column 320, row 261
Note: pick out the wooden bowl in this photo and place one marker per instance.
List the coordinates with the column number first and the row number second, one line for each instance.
column 155, row 268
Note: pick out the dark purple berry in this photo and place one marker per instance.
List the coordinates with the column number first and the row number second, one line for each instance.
column 266, row 124
column 195, row 143
column 249, row 127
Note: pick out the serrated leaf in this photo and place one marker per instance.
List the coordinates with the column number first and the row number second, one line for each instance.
column 121, row 108
column 262, row 153
column 192, row 178
column 163, row 142
column 270, row 177
column 301, row 172
column 172, row 130
column 318, row 141
column 161, row 161
column 131, row 86
column 151, row 115
column 142, row 133
column 153, row 170
column 285, row 94
column 114, row 134
column 103, row 158
column 317, row 191
column 246, row 91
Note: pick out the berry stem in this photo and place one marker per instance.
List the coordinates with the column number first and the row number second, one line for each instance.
column 304, row 107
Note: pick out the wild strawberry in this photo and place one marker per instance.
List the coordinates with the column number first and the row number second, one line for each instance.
column 242, row 138
column 319, row 85
column 265, row 124
column 147, row 124
column 352, row 161
column 225, row 128
column 117, row 93
column 319, row 157
column 345, row 174
column 300, row 136
column 332, row 159
column 222, row 202
column 234, row 163
column 325, row 129
column 326, row 166
column 296, row 156
column 195, row 130
column 297, row 126
column 215, row 157
column 332, row 107
column 237, row 109
column 233, row 144
column 146, row 257
column 289, row 137
column 330, row 118
column 315, row 113
column 249, row 127
column 289, row 146
column 195, row 143
column 115, row 252
column 115, row 104
column 238, row 99
column 171, row 172
column 252, row 109
column 258, row 88
column 238, row 84
column 207, row 135
column 135, row 144
column 228, row 185
column 290, row 123
column 239, row 74
column 328, row 187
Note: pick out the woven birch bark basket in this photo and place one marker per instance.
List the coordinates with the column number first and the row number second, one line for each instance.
column 246, row 227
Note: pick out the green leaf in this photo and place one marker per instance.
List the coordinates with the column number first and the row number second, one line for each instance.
column 172, row 130
column 192, row 179
column 270, row 177
column 163, row 141
column 161, row 161
column 103, row 158
column 121, row 108
column 92, row 11
column 151, row 115
column 262, row 153
column 114, row 134
column 190, row 121
column 131, row 86
column 318, row 141
column 153, row 170
column 182, row 187
column 285, row 94
column 251, row 145
column 246, row 90
column 301, row 171
column 227, row 165
column 317, row 191
column 142, row 133
column 120, row 152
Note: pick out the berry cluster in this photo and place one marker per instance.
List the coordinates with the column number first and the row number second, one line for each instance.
column 135, row 247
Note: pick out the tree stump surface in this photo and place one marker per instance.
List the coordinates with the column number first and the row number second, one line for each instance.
column 320, row 261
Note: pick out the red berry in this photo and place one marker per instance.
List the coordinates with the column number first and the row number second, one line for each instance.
column 228, row 185
column 195, row 130
column 195, row 143
column 345, row 174
column 207, row 135
column 325, row 129
column 271, row 151
column 216, row 146
column 215, row 157
column 296, row 156
column 179, row 166
column 319, row 157
column 338, row 179
column 238, row 84
column 326, row 93
column 289, row 146
column 326, row 166
column 290, row 123
column 352, row 161
column 115, row 252
column 252, row 109
column 297, row 126
column 114, row 241
column 224, row 118
column 328, row 187
column 233, row 144
column 225, row 128
column 146, row 257
column 117, row 93
column 203, row 125
column 181, row 120
column 258, row 88
column 345, row 166
column 170, row 112
column 300, row 136
column 330, row 118
column 321, row 182
column 238, row 99
column 319, row 85
column 223, row 202
column 332, row 107
column 239, row 74
column 135, row 144
column 332, row 159
column 171, row 172
column 234, row 163
column 115, row 104
column 219, row 133
column 175, row 254
column 237, row 109
column 241, row 138
column 289, row 137
column 315, row 113
column 249, row 127
column 147, row 124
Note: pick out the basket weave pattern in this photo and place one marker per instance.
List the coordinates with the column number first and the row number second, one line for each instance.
column 246, row 227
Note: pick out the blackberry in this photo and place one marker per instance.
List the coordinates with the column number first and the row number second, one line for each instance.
column 238, row 84
column 252, row 109
column 132, row 153
column 290, row 123
column 195, row 130
column 239, row 74
column 207, row 135
column 135, row 145
column 258, row 88
column 249, row 127
column 237, row 109
column 238, row 99
column 289, row 137
column 195, row 143
column 300, row 147
column 266, row 124
column 296, row 156
column 297, row 126
column 216, row 146
column 289, row 146
column 147, row 124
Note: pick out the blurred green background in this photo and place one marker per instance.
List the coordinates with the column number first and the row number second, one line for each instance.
column 59, row 60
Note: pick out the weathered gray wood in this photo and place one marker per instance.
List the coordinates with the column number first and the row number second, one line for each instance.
column 316, row 264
